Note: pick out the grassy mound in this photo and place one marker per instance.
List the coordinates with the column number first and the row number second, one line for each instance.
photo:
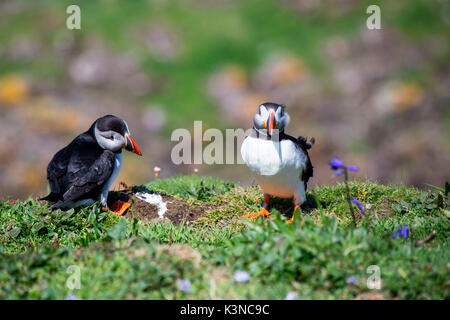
column 318, row 256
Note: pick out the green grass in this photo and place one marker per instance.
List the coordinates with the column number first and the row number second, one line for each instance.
column 190, row 187
column 123, row 258
column 27, row 225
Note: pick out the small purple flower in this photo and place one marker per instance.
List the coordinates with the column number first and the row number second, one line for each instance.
column 335, row 164
column 184, row 285
column 358, row 204
column 291, row 295
column 403, row 231
column 241, row 276
column 394, row 235
column 71, row 296
column 340, row 168
column 338, row 173
column 352, row 280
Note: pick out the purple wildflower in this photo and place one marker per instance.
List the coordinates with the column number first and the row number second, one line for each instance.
column 335, row 164
column 358, row 204
column 397, row 233
column 291, row 295
column 403, row 231
column 71, row 296
column 241, row 276
column 352, row 280
column 184, row 285
column 338, row 173
column 340, row 168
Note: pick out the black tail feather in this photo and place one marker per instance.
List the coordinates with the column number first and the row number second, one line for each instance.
column 303, row 141
column 52, row 197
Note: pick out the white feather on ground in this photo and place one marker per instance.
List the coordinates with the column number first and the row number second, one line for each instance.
column 155, row 199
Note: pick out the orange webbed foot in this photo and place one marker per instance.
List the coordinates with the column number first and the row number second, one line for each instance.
column 293, row 214
column 264, row 212
column 119, row 207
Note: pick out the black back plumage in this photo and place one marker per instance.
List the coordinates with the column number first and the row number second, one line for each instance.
column 302, row 143
column 79, row 170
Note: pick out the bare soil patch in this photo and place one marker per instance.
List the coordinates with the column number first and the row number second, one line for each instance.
column 177, row 210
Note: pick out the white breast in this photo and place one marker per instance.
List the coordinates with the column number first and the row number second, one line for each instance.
column 117, row 165
column 277, row 166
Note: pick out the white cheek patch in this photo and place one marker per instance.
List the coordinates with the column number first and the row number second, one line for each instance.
column 286, row 119
column 278, row 111
column 155, row 199
column 104, row 141
column 128, row 130
column 264, row 112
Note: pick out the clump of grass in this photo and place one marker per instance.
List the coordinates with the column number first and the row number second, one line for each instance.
column 314, row 257
column 326, row 255
column 192, row 186
column 108, row 270
column 28, row 225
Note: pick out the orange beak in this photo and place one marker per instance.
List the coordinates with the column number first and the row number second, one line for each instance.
column 132, row 146
column 271, row 122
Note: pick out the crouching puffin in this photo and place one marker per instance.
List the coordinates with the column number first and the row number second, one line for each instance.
column 279, row 162
column 82, row 172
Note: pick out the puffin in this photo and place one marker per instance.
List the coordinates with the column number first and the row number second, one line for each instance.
column 279, row 162
column 82, row 172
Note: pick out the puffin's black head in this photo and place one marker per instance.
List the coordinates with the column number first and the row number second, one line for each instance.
column 112, row 133
column 270, row 116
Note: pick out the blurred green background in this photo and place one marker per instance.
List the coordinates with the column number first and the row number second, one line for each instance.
column 378, row 99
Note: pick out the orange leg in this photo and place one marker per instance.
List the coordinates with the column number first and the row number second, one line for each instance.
column 293, row 214
column 118, row 207
column 264, row 212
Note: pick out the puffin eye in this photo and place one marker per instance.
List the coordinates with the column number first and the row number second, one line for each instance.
column 111, row 138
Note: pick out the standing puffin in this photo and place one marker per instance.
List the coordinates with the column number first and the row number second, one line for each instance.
column 279, row 162
column 82, row 172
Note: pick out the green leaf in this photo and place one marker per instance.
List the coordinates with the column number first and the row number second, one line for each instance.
column 119, row 231
column 38, row 226
column 316, row 199
column 405, row 204
column 14, row 232
column 447, row 213
column 92, row 217
column 439, row 189
column 402, row 273
column 67, row 214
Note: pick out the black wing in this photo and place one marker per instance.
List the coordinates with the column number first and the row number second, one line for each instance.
column 303, row 143
column 308, row 173
column 57, row 174
column 78, row 167
column 86, row 182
